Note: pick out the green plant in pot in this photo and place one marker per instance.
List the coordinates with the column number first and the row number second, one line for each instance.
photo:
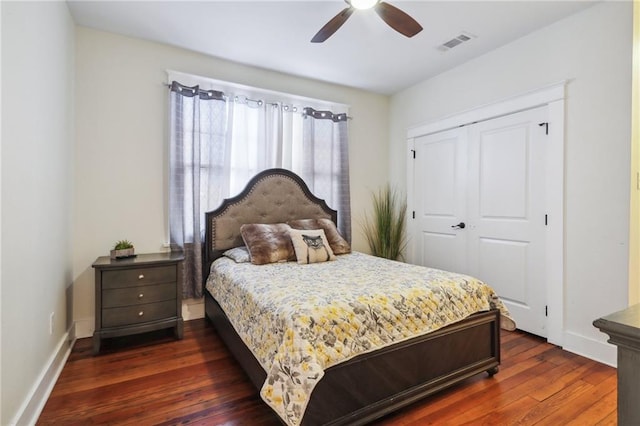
column 122, row 249
column 385, row 230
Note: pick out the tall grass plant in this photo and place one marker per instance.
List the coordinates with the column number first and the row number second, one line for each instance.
column 386, row 229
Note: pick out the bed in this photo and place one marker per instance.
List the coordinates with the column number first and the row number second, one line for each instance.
column 353, row 379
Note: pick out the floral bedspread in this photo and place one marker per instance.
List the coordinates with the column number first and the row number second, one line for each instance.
column 300, row 320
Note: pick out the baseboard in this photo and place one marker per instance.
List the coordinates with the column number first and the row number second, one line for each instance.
column 38, row 395
column 590, row 348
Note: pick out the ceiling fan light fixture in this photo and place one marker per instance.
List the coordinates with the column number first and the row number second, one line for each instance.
column 363, row 4
column 391, row 15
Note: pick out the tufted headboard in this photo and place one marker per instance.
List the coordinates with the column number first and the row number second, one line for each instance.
column 271, row 196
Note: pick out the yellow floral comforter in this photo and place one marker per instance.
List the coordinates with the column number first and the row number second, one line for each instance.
column 300, row 320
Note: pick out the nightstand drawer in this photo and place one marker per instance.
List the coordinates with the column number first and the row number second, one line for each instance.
column 120, row 297
column 139, row 276
column 114, row 317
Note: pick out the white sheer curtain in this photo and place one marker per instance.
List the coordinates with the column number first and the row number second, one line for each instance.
column 260, row 136
column 219, row 142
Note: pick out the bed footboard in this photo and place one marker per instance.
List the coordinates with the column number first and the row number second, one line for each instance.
column 375, row 384
column 371, row 385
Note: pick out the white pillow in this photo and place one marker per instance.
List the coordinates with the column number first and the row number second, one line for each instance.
column 238, row 254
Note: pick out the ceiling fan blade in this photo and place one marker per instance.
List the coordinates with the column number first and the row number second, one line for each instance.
column 397, row 19
column 332, row 26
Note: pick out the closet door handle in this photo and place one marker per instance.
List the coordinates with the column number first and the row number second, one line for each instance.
column 461, row 225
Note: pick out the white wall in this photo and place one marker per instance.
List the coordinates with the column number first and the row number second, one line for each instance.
column 37, row 186
column 593, row 51
column 121, row 143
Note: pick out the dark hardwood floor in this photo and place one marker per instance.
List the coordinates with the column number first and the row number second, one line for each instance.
column 141, row 381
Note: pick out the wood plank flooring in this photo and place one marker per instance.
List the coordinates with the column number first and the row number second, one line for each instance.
column 155, row 380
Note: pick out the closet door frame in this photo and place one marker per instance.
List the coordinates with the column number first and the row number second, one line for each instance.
column 554, row 97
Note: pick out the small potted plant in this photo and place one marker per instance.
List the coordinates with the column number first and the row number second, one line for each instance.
column 122, row 249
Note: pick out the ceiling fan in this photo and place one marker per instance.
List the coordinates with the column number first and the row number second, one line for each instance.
column 394, row 17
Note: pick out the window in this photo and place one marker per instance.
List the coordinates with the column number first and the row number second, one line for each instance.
column 220, row 140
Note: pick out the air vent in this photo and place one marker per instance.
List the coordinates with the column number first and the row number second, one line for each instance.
column 459, row 39
column 452, row 43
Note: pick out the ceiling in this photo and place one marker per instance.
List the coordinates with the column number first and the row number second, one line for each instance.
column 364, row 53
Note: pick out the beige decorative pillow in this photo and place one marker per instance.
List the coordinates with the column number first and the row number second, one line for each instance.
column 268, row 243
column 338, row 244
column 311, row 246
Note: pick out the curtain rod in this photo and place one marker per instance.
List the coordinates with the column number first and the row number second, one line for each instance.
column 215, row 94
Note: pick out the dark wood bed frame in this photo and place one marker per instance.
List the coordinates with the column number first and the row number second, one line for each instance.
column 370, row 385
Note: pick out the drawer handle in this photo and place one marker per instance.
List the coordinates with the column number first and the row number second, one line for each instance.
column 141, row 313
column 141, row 295
column 141, row 276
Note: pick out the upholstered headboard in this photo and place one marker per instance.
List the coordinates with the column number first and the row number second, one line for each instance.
column 272, row 196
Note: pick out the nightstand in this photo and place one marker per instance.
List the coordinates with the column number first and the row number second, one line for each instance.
column 137, row 295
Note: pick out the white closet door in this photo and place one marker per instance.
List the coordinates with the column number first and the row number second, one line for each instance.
column 489, row 177
column 440, row 194
column 506, row 212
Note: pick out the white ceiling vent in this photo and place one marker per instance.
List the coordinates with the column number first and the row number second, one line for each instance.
column 459, row 39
